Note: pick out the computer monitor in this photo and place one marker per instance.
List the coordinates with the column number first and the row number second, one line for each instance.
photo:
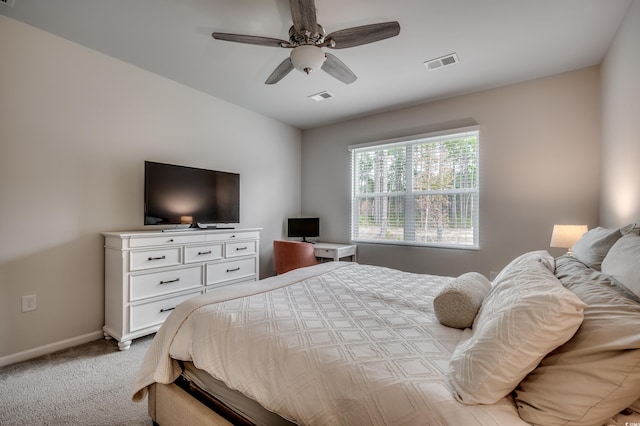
column 303, row 227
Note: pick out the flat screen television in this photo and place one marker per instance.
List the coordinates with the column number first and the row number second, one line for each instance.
column 303, row 227
column 176, row 194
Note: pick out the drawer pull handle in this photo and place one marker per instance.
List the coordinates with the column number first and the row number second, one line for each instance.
column 170, row 281
column 233, row 270
column 200, row 253
column 241, row 248
column 167, row 309
column 158, row 258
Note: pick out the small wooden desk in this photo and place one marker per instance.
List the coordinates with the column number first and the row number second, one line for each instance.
column 335, row 251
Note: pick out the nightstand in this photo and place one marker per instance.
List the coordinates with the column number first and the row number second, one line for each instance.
column 335, row 251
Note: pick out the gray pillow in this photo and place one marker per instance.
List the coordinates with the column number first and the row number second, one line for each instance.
column 595, row 244
column 458, row 303
column 622, row 263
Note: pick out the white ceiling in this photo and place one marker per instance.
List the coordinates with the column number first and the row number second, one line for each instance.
column 498, row 42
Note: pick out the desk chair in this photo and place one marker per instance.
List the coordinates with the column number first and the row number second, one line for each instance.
column 289, row 255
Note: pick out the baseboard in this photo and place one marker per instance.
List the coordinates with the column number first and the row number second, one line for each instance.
column 50, row 348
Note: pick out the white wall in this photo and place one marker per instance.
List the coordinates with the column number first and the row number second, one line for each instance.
column 75, row 129
column 620, row 203
column 539, row 158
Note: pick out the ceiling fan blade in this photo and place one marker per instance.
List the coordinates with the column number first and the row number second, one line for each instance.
column 336, row 68
column 303, row 15
column 357, row 36
column 249, row 39
column 281, row 70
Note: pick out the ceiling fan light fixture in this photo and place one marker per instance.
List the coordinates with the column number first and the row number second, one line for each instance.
column 307, row 58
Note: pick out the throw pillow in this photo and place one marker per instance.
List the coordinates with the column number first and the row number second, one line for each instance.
column 457, row 304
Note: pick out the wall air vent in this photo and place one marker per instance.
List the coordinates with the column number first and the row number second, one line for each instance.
column 443, row 61
column 7, row 2
column 321, row 96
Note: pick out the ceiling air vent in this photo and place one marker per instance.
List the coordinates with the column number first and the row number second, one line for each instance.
column 321, row 96
column 7, row 2
column 443, row 61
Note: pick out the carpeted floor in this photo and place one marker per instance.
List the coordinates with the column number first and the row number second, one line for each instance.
column 90, row 384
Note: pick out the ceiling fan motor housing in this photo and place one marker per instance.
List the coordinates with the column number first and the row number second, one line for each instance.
column 297, row 38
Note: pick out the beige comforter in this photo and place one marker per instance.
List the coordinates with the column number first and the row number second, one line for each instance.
column 159, row 367
column 336, row 343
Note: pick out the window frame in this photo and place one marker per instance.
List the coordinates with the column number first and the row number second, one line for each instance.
column 409, row 194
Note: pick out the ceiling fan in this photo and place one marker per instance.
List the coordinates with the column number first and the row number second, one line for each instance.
column 307, row 38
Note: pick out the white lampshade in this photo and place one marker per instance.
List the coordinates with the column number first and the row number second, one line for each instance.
column 307, row 58
column 565, row 236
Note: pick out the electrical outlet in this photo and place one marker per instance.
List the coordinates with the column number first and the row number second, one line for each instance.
column 29, row 303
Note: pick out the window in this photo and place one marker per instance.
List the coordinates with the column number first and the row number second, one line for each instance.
column 421, row 190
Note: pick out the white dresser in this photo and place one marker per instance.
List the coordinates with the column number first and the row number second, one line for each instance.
column 147, row 274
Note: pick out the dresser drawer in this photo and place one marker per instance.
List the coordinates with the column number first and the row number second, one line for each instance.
column 230, row 236
column 154, row 313
column 148, row 259
column 202, row 253
column 159, row 283
column 221, row 272
column 169, row 238
column 237, row 249
column 215, row 287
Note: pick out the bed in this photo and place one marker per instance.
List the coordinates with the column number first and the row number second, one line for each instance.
column 549, row 341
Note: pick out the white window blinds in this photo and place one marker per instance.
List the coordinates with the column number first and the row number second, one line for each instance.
column 421, row 190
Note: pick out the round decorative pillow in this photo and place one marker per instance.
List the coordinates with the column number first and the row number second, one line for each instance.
column 457, row 304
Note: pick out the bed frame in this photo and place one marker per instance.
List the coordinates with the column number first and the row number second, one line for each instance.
column 181, row 403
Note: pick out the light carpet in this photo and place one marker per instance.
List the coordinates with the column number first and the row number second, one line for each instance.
column 90, row 384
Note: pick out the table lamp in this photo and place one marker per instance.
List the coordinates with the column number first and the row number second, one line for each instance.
column 565, row 236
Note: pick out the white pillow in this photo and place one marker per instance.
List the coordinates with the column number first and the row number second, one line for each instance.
column 527, row 314
column 595, row 244
column 457, row 304
column 622, row 263
column 541, row 256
